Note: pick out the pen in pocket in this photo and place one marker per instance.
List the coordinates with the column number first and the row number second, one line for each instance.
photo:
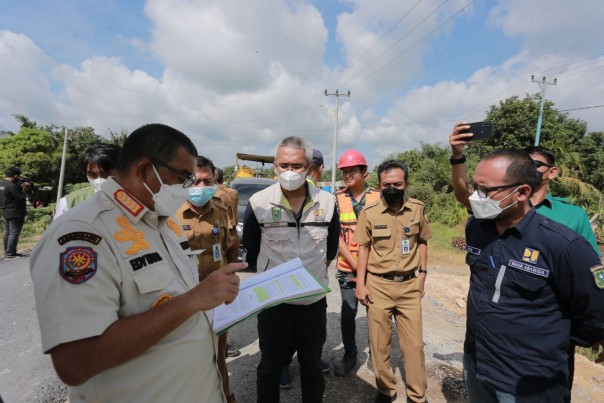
column 492, row 262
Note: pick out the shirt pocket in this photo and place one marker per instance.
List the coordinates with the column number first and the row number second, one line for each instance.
column 318, row 237
column 275, row 241
column 153, row 279
column 382, row 239
column 527, row 286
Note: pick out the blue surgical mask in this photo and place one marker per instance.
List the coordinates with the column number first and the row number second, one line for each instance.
column 200, row 196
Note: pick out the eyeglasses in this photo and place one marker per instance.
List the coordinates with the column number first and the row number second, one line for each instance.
column 189, row 177
column 483, row 191
column 539, row 164
column 292, row 167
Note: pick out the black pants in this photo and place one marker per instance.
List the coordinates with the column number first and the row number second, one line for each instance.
column 280, row 328
column 12, row 231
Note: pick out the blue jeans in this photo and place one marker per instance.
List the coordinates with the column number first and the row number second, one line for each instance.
column 281, row 328
column 483, row 392
column 348, row 312
column 12, row 230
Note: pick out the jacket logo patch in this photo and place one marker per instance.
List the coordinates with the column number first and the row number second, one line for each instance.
column 80, row 236
column 472, row 250
column 78, row 264
column 128, row 233
column 276, row 211
column 128, row 202
column 147, row 259
column 174, row 227
column 185, row 245
column 538, row 271
column 530, row 255
column 319, row 214
column 598, row 273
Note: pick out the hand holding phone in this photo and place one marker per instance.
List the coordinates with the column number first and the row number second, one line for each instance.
column 481, row 130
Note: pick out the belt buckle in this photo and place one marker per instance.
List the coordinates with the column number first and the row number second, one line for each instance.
column 399, row 279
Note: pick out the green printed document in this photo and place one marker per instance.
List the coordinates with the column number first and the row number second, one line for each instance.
column 287, row 282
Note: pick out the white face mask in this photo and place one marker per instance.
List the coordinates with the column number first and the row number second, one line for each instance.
column 169, row 198
column 97, row 183
column 487, row 209
column 290, row 180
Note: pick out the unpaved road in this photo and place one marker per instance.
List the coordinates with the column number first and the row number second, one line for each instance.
column 27, row 376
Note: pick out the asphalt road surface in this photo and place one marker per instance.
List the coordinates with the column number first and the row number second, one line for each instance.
column 26, row 375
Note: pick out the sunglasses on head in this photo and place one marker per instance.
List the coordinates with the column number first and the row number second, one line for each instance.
column 539, row 164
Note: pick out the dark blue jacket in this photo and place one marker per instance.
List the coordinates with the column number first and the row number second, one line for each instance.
column 531, row 288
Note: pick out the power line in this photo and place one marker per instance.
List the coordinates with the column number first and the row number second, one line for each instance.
column 579, row 109
column 375, row 43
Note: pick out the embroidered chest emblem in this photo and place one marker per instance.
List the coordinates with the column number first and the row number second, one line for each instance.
column 530, row 255
column 128, row 202
column 598, row 273
column 319, row 214
column 128, row 233
column 276, row 211
column 174, row 227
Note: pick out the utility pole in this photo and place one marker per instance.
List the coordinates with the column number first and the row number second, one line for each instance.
column 543, row 84
column 62, row 174
column 335, row 137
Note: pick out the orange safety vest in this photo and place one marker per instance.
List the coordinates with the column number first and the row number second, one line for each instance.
column 348, row 224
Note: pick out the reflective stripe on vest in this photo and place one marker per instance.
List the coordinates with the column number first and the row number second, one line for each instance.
column 348, row 223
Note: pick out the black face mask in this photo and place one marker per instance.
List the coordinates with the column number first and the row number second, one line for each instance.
column 393, row 195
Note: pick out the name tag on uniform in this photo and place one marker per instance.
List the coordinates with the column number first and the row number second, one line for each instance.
column 405, row 246
column 472, row 250
column 538, row 271
column 216, row 252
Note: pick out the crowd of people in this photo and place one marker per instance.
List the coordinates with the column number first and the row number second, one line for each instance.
column 151, row 248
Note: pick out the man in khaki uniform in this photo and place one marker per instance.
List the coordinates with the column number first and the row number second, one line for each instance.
column 206, row 223
column 120, row 308
column 230, row 198
column 393, row 234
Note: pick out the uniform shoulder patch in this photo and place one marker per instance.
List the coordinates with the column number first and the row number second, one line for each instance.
column 174, row 226
column 78, row 264
column 124, row 198
column 414, row 201
column 80, row 236
column 598, row 273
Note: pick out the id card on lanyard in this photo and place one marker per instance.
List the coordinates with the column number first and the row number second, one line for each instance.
column 405, row 245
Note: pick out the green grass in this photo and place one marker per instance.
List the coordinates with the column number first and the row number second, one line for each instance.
column 440, row 251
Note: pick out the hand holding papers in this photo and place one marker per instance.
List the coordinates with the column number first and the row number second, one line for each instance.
column 283, row 283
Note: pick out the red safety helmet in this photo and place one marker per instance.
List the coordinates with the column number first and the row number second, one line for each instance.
column 351, row 158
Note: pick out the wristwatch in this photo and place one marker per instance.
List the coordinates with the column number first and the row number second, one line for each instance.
column 423, row 271
column 457, row 161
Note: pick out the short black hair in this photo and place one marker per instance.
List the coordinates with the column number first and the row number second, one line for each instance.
column 203, row 162
column 521, row 168
column 389, row 165
column 104, row 155
column 542, row 151
column 219, row 176
column 154, row 140
column 12, row 171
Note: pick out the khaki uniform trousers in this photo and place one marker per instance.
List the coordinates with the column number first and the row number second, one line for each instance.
column 403, row 300
column 222, row 368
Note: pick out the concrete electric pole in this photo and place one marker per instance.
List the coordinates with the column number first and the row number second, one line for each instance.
column 543, row 84
column 335, row 137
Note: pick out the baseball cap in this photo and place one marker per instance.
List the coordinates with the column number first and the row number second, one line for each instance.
column 317, row 157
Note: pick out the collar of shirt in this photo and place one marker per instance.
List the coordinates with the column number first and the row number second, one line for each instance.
column 547, row 202
column 385, row 206
column 128, row 204
column 521, row 227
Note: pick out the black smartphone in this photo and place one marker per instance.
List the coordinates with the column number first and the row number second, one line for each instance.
column 481, row 130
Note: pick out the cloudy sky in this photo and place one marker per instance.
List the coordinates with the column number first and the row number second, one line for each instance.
column 239, row 75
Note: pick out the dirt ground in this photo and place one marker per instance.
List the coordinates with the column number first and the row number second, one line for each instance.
column 444, row 327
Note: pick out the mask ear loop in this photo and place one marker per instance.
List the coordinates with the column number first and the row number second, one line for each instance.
column 158, row 178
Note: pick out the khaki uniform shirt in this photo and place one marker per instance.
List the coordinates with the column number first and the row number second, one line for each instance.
column 205, row 230
column 384, row 230
column 110, row 258
column 230, row 198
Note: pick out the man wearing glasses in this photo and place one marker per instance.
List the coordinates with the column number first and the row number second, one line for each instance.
column 121, row 311
column 534, row 284
column 287, row 220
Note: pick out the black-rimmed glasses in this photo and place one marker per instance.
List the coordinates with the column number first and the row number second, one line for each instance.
column 483, row 191
column 189, row 178
column 539, row 164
